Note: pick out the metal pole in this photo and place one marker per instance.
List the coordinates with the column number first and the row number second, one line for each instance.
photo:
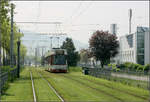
column 35, row 57
column 11, row 38
column 51, row 41
column 149, row 84
column 18, row 60
column 0, row 46
column 58, row 42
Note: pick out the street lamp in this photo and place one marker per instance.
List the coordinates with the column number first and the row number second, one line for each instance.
column 18, row 55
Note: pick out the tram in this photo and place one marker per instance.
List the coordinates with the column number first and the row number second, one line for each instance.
column 56, row 61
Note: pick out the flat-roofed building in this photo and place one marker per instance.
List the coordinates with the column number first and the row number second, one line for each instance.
column 135, row 47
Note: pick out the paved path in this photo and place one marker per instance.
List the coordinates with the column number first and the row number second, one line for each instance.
column 134, row 77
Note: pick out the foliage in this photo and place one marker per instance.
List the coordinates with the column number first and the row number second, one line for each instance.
column 72, row 55
column 84, row 55
column 114, row 67
column 147, row 67
column 7, row 68
column 140, row 68
column 6, row 30
column 103, row 46
column 128, row 66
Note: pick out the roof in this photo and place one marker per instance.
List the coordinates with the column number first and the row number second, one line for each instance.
column 55, row 51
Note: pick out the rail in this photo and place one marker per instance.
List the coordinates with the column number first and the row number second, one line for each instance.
column 62, row 100
column 34, row 96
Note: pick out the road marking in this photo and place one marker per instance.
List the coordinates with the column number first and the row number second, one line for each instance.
column 62, row 100
column 34, row 96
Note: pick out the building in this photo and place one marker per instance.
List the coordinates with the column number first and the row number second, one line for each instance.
column 135, row 47
column 113, row 29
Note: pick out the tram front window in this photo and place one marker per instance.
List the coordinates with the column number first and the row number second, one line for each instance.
column 59, row 60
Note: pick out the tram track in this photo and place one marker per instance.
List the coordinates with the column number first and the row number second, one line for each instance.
column 33, row 89
column 96, row 89
column 119, row 90
column 51, row 87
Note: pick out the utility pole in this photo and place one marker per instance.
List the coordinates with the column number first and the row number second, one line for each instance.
column 11, row 38
column 35, row 57
column 0, row 45
column 149, row 84
column 18, row 60
column 51, row 41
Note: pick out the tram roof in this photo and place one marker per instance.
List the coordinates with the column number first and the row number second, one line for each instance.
column 55, row 51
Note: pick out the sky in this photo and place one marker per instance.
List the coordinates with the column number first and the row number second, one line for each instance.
column 80, row 19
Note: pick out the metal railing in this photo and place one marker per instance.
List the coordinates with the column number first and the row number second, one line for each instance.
column 4, row 77
column 138, row 79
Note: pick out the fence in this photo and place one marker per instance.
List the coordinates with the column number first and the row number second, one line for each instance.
column 4, row 77
column 137, row 79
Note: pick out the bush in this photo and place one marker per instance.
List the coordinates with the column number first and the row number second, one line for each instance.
column 114, row 67
column 132, row 67
column 122, row 66
column 140, row 68
column 128, row 65
column 5, row 87
column 147, row 68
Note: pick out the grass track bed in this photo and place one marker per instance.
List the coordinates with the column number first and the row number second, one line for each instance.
column 42, row 90
column 112, row 85
column 112, row 92
column 73, row 91
column 20, row 89
column 72, row 86
column 116, row 85
column 122, row 92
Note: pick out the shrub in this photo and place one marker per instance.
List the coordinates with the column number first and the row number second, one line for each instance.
column 147, row 67
column 136, row 66
column 128, row 65
column 140, row 68
column 122, row 66
column 5, row 87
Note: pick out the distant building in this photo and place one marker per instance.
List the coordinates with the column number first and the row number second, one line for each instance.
column 135, row 47
column 113, row 29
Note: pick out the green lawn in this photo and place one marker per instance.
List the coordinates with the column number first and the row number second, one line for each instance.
column 82, row 87
column 73, row 91
column 125, row 92
column 72, row 86
column 42, row 90
column 20, row 89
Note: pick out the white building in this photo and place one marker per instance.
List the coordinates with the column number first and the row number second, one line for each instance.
column 135, row 47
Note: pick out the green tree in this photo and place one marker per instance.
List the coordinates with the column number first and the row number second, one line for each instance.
column 103, row 46
column 85, row 54
column 72, row 55
column 6, row 29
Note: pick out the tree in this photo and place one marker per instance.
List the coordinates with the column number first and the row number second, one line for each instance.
column 103, row 46
column 72, row 55
column 6, row 29
column 85, row 54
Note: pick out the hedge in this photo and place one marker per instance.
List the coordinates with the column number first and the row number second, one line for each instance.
column 128, row 66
